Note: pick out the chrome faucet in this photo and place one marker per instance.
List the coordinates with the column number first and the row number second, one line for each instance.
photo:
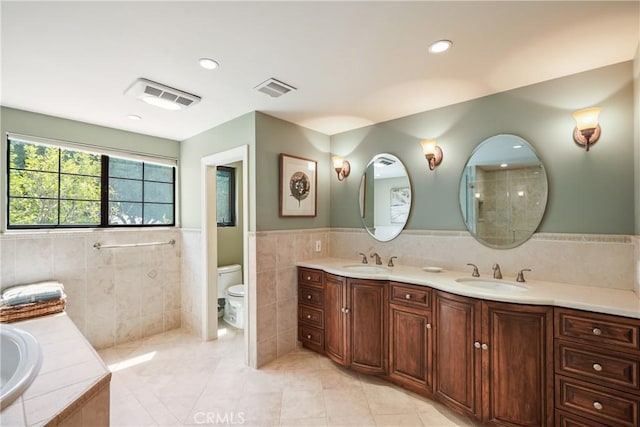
column 364, row 258
column 520, row 277
column 390, row 264
column 475, row 273
column 497, row 274
column 378, row 260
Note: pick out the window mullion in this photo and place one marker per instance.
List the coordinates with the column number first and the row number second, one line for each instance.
column 104, row 191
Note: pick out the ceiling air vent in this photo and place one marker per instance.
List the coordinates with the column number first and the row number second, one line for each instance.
column 274, row 88
column 385, row 161
column 161, row 95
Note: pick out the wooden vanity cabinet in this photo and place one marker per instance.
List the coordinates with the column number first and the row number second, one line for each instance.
column 311, row 309
column 597, row 368
column 356, row 323
column 493, row 360
column 410, row 337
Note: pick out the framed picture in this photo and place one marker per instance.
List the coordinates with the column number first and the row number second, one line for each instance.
column 400, row 204
column 298, row 186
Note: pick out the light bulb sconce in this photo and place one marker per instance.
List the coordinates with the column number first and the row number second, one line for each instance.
column 342, row 167
column 432, row 153
column 587, row 130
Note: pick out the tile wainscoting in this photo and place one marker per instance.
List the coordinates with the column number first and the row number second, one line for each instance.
column 581, row 259
column 191, row 277
column 113, row 295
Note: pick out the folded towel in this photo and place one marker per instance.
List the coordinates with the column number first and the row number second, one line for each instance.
column 22, row 294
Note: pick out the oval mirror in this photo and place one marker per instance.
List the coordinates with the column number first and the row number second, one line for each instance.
column 503, row 192
column 385, row 197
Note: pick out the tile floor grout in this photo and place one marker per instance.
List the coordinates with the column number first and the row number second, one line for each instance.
column 176, row 379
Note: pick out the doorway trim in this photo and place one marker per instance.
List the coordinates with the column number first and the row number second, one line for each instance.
column 209, row 242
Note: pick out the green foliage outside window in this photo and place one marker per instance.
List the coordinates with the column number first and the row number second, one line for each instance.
column 51, row 186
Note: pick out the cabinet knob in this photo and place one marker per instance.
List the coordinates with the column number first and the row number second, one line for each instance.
column 308, row 277
column 485, row 347
column 309, row 297
column 308, row 316
column 477, row 344
column 309, row 336
column 597, row 331
column 597, row 367
column 346, row 310
column 598, row 405
column 428, row 325
column 407, row 296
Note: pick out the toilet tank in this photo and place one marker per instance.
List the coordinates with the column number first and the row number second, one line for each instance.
column 228, row 275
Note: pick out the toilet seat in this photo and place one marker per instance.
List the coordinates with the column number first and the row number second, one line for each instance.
column 236, row 291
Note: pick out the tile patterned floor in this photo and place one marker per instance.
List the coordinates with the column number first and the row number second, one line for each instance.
column 175, row 379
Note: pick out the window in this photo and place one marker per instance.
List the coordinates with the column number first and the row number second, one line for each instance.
column 226, row 196
column 52, row 186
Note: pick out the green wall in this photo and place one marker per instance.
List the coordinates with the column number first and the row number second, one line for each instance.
column 275, row 136
column 230, row 238
column 589, row 192
column 237, row 132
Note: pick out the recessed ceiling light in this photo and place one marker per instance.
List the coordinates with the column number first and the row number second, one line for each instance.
column 208, row 63
column 134, row 117
column 440, row 46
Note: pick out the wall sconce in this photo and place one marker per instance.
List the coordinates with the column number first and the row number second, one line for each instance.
column 342, row 167
column 587, row 130
column 432, row 153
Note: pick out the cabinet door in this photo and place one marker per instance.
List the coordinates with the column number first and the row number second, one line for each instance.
column 457, row 360
column 517, row 362
column 410, row 350
column 335, row 325
column 367, row 303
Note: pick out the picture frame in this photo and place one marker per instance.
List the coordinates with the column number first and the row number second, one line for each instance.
column 298, row 186
column 400, row 202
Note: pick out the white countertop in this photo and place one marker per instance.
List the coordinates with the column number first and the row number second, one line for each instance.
column 590, row 298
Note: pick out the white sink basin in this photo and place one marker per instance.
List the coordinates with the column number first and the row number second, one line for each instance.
column 21, row 358
column 494, row 285
column 366, row 268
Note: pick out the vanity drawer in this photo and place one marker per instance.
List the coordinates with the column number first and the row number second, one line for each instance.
column 564, row 419
column 602, row 404
column 311, row 296
column 311, row 337
column 310, row 277
column 609, row 368
column 311, row 316
column 415, row 296
column 611, row 331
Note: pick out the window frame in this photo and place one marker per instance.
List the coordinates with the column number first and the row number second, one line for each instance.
column 232, row 196
column 105, row 155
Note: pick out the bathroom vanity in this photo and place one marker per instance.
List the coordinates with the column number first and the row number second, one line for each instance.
column 528, row 356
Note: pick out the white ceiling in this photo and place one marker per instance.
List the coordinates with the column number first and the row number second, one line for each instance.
column 354, row 63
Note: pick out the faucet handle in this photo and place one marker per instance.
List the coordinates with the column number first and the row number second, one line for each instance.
column 520, row 277
column 390, row 264
column 475, row 270
column 364, row 258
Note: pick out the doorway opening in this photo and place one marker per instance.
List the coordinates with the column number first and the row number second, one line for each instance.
column 239, row 157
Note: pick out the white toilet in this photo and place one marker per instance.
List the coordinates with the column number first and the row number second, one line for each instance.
column 231, row 288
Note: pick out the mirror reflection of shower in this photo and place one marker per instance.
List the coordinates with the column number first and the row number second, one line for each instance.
column 503, row 192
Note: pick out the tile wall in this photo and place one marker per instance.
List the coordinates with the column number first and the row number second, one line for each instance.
column 113, row 295
column 191, row 277
column 582, row 259
column 276, row 286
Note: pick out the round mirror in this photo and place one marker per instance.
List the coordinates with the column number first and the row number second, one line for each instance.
column 503, row 192
column 385, row 197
